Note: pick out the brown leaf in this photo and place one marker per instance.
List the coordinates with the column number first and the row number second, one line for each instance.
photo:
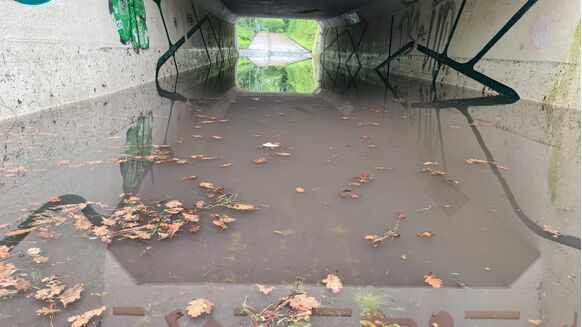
column 194, row 229
column 48, row 311
column 400, row 215
column 82, row 223
column 299, row 190
column 535, row 322
column 476, row 161
column 425, row 234
column 363, row 178
column 19, row 232
column 4, row 252
column 301, row 302
column 551, row 230
column 206, row 185
column 53, row 288
column 241, row 207
column 349, row 194
column 83, row 319
column 173, row 204
column 260, row 161
column 190, row 178
column 55, row 199
column 72, row 294
column 199, row 306
column 333, row 283
column 226, row 165
column 264, row 290
column 432, row 172
column 190, row 217
column 283, row 154
column 432, row 280
column 222, row 221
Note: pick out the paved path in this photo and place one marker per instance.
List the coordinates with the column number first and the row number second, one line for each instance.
column 275, row 43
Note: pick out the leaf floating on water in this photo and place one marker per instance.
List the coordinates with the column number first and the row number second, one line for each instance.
column 241, row 207
column 19, row 232
column 48, row 311
column 72, row 294
column 190, row 217
column 173, row 204
column 535, row 322
column 551, row 230
column 363, row 178
column 260, row 161
column 222, row 221
column 264, row 290
column 400, row 215
column 333, row 283
column 425, row 234
column 55, row 199
column 217, row 137
column 206, row 185
column 190, row 178
column 4, row 252
column 432, row 280
column 83, row 319
column 299, row 190
column 349, row 194
column 194, row 229
column 226, row 165
column 481, row 161
column 283, row 154
column 36, row 256
column 199, row 306
column 432, row 172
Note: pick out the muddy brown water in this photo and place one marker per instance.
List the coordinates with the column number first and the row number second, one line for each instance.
column 332, row 137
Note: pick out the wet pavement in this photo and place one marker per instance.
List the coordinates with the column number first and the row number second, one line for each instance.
column 485, row 217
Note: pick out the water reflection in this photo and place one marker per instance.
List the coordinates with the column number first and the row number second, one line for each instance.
column 293, row 78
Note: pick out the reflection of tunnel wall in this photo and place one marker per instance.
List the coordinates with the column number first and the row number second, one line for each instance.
column 76, row 52
column 537, row 54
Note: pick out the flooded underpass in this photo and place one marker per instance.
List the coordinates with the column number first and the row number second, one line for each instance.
column 323, row 171
column 367, row 175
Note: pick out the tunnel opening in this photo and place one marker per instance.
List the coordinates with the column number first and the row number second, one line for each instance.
column 291, row 162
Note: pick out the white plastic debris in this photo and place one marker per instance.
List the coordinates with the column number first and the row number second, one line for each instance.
column 270, row 145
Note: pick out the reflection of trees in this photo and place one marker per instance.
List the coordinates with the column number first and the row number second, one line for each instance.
column 297, row 77
column 139, row 144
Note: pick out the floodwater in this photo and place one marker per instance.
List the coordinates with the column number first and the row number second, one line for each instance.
column 485, row 217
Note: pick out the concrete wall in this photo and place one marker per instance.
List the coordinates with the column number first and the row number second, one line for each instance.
column 70, row 50
column 538, row 57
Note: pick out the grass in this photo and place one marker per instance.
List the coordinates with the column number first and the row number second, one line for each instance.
column 302, row 31
column 369, row 302
column 245, row 35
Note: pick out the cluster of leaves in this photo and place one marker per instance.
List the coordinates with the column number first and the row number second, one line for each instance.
column 292, row 310
column 392, row 232
column 361, row 179
column 10, row 284
column 53, row 291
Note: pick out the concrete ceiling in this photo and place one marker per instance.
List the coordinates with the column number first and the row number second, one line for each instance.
column 316, row 9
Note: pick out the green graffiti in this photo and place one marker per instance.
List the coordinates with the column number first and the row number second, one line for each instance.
column 130, row 20
column 139, row 145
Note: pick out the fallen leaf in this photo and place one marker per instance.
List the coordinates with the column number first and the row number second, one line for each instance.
column 194, row 229
column 83, row 319
column 260, row 161
column 241, row 207
column 216, row 137
column 400, row 215
column 264, row 290
column 349, row 194
column 6, row 269
column 173, row 204
column 82, row 223
column 333, row 283
column 283, row 154
column 190, row 177
column 199, row 306
column 551, row 230
column 48, row 311
column 302, row 302
column 535, row 322
column 429, row 163
column 190, row 217
column 182, row 161
column 425, row 234
column 363, row 178
column 72, row 294
column 19, row 232
column 55, row 199
column 200, row 204
column 299, row 190
column 226, row 165
column 432, row 172
column 4, row 252
column 432, row 280
column 206, row 185
column 222, row 221
column 476, row 161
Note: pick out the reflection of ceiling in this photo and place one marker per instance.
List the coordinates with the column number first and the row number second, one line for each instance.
column 293, row 8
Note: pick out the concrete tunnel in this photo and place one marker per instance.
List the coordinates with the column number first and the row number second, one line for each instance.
column 460, row 120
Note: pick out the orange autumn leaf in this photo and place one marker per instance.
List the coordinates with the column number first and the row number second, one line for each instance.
column 283, row 154
column 432, row 280
column 4, row 252
column 173, row 204
column 260, row 161
column 190, row 177
column 55, row 199
column 72, row 294
column 241, row 207
column 425, row 234
column 19, row 232
column 199, row 306
column 301, row 302
column 535, row 322
column 476, row 161
column 217, row 137
column 349, row 194
column 333, row 283
column 222, row 221
column 83, row 319
column 299, row 190
column 206, row 185
column 190, row 217
column 226, row 165
column 47, row 311
column 264, row 290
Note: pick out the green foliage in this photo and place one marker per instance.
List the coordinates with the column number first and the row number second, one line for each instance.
column 302, row 31
column 297, row 77
column 369, row 302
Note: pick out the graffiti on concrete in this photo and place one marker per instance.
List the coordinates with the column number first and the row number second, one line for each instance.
column 130, row 21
